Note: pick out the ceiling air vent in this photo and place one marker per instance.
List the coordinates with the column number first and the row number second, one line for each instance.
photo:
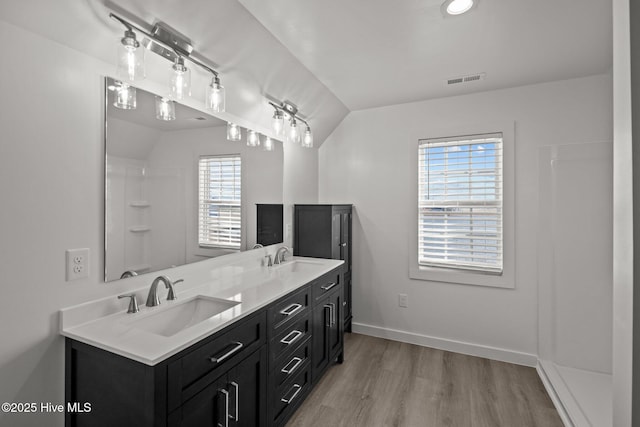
column 466, row 79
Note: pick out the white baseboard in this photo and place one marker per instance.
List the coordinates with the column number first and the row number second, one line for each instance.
column 470, row 349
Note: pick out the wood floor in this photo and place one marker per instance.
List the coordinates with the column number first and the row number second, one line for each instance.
column 387, row 383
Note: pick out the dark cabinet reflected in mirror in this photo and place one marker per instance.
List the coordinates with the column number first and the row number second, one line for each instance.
column 177, row 191
column 270, row 224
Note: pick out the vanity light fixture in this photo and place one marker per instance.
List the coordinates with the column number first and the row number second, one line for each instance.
column 234, row 133
column 166, row 42
column 267, row 145
column 293, row 134
column 457, row 7
column 253, row 138
column 125, row 98
column 215, row 96
column 130, row 57
column 165, row 109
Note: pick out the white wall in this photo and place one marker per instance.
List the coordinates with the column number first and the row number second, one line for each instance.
column 623, row 217
column 300, row 183
column 365, row 161
column 262, row 178
column 575, row 239
column 51, row 187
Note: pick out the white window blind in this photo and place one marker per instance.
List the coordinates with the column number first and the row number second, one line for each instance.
column 460, row 203
column 219, row 205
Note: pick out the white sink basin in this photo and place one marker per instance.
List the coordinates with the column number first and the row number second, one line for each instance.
column 296, row 266
column 183, row 315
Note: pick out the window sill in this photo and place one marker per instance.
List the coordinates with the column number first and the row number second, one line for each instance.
column 477, row 278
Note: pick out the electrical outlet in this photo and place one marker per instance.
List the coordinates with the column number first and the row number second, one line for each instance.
column 77, row 264
column 403, row 300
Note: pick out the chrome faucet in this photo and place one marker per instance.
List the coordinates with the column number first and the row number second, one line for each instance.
column 152, row 298
column 269, row 261
column 279, row 258
column 133, row 302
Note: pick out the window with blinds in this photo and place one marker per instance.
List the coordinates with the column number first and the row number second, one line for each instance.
column 460, row 203
column 219, row 206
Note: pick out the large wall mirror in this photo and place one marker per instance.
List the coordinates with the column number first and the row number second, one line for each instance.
column 177, row 191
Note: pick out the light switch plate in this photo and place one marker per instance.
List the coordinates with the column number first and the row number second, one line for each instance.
column 77, row 262
column 403, row 300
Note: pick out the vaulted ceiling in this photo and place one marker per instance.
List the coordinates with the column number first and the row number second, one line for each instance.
column 378, row 52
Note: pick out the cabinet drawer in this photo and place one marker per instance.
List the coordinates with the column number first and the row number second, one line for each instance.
column 291, row 394
column 325, row 284
column 195, row 370
column 288, row 308
column 290, row 337
column 291, row 363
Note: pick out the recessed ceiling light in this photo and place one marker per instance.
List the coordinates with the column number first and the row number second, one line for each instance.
column 457, row 7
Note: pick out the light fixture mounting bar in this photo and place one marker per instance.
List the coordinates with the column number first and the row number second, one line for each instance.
column 290, row 109
column 167, row 40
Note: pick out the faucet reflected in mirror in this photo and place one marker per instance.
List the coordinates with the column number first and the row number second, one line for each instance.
column 169, row 200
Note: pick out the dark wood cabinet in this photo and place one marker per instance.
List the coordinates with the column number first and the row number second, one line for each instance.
column 327, row 332
column 286, row 347
column 325, row 231
column 177, row 391
column 237, row 399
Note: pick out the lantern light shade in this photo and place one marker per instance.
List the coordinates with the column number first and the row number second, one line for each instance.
column 125, row 97
column 165, row 109
column 234, row 132
column 180, row 81
column 307, row 138
column 215, row 96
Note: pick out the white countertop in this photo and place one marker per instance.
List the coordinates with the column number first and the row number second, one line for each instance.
column 96, row 323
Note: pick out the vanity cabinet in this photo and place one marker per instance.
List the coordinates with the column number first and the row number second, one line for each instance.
column 125, row 392
column 236, row 399
column 255, row 372
column 325, row 231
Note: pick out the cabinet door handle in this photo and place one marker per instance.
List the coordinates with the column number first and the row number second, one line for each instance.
column 328, row 286
column 219, row 359
column 328, row 322
column 333, row 314
column 237, row 389
column 292, row 309
column 226, row 408
column 291, row 337
column 289, row 400
column 287, row 370
column 343, row 244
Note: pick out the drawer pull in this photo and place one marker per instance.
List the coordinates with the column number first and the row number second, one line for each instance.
column 289, row 400
column 328, row 286
column 287, row 370
column 291, row 337
column 292, row 309
column 235, row 349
